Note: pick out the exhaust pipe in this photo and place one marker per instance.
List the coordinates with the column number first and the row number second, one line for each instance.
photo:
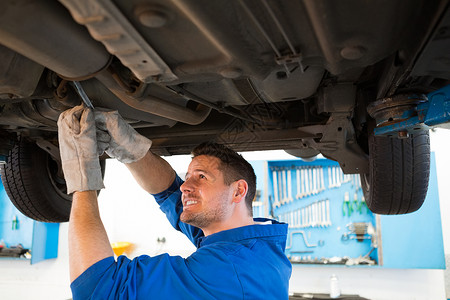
column 154, row 105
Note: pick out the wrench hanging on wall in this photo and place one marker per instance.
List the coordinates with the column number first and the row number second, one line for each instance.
column 314, row 180
column 304, row 217
column 306, row 192
column 320, row 214
column 304, row 239
column 328, row 222
column 330, row 178
column 280, row 186
column 316, row 214
column 322, row 180
column 323, row 214
column 275, row 188
column 310, row 179
column 289, row 186
column 285, row 187
column 303, row 187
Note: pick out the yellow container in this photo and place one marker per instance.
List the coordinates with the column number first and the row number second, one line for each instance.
column 120, row 247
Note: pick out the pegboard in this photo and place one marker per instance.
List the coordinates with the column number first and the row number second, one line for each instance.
column 329, row 222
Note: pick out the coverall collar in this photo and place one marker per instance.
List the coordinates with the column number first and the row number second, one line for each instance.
column 247, row 232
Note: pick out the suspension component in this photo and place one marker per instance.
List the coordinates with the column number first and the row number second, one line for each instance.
column 404, row 114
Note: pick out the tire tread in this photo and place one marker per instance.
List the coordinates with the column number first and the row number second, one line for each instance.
column 22, row 184
column 399, row 176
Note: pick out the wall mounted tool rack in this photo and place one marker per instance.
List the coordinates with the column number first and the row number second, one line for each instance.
column 329, row 222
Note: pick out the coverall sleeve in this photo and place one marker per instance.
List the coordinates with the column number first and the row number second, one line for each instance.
column 170, row 203
column 160, row 277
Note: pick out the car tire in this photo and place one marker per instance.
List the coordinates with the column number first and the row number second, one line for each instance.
column 35, row 183
column 399, row 173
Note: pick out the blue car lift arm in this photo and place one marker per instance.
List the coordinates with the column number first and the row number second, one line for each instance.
column 432, row 113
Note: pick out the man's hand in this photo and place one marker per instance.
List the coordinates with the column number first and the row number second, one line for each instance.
column 124, row 144
column 78, row 148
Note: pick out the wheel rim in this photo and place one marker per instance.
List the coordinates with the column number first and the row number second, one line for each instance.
column 54, row 171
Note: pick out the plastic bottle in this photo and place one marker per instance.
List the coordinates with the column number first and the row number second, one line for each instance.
column 335, row 291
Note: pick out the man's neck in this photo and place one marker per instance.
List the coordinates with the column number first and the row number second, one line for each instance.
column 230, row 224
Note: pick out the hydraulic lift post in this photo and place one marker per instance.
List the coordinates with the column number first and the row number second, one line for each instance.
column 431, row 111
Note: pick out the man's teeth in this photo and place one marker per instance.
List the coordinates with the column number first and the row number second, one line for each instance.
column 189, row 202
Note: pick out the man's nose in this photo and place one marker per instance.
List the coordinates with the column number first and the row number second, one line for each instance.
column 186, row 187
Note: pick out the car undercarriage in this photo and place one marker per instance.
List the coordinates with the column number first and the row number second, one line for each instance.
column 251, row 74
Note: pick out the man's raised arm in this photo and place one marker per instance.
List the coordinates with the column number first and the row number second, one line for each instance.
column 84, row 135
column 88, row 241
column 153, row 173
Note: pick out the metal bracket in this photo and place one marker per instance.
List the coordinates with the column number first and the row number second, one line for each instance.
column 361, row 231
column 348, row 153
column 107, row 24
column 432, row 113
column 290, row 59
column 49, row 148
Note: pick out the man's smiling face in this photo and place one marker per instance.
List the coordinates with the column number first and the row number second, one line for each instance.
column 206, row 198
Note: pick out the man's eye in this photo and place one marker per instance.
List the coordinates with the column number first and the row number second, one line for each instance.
column 202, row 176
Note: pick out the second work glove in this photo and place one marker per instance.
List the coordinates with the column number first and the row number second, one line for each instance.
column 79, row 151
column 125, row 143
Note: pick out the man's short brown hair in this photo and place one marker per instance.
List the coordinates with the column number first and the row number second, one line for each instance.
column 233, row 166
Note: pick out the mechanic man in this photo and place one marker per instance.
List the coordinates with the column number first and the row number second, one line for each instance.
column 237, row 257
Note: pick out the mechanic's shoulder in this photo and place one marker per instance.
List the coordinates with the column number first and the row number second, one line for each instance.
column 219, row 249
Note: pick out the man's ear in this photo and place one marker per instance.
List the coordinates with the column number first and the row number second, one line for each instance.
column 240, row 191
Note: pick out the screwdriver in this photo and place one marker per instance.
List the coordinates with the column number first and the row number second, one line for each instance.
column 82, row 94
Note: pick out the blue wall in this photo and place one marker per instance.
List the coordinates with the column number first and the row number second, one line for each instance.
column 12, row 235
column 415, row 240
column 15, row 228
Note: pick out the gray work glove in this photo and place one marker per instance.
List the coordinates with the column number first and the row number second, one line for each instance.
column 125, row 144
column 78, row 148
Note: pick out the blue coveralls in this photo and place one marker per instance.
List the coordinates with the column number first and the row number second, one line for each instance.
column 242, row 263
